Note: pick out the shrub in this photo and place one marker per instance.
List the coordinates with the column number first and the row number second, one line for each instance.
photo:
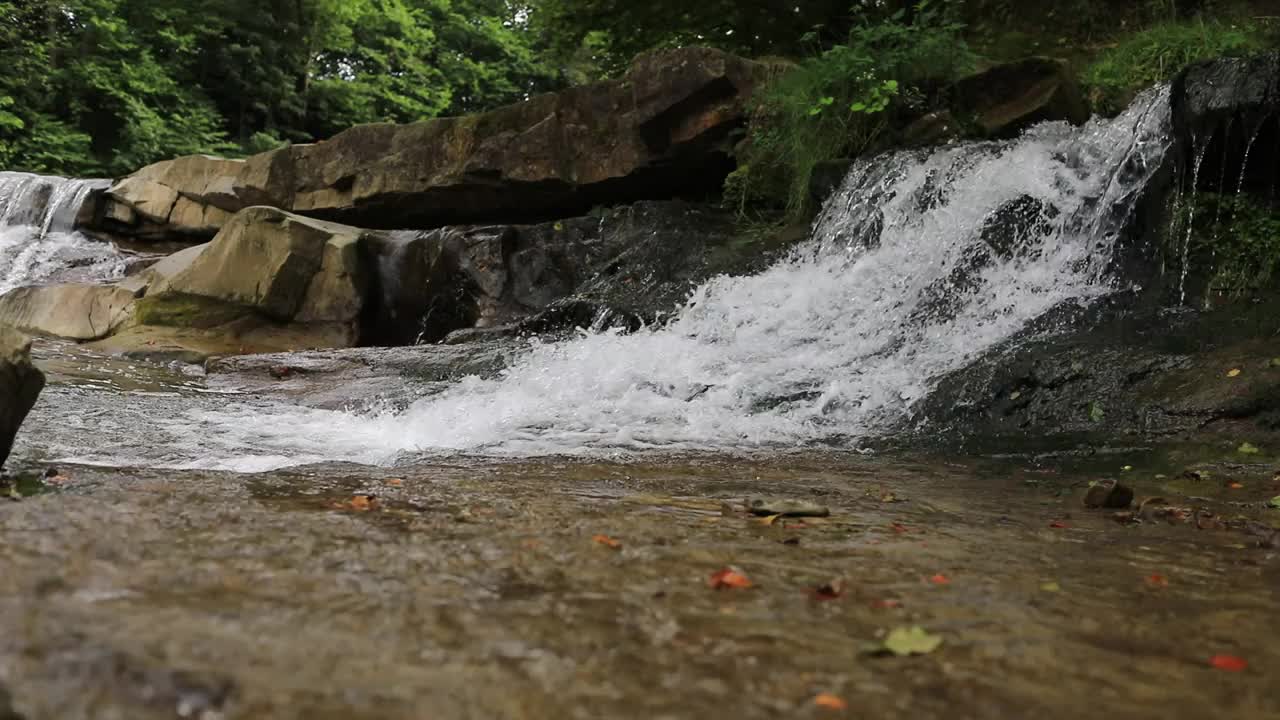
column 1156, row 54
column 839, row 102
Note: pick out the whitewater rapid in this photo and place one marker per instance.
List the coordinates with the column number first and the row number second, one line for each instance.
column 921, row 262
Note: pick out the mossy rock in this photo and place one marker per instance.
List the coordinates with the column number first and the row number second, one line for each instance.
column 187, row 311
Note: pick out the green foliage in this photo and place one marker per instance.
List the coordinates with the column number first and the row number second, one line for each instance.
column 1235, row 241
column 839, row 102
column 1156, row 54
column 106, row 86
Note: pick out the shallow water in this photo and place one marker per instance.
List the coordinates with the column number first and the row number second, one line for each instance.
column 475, row 589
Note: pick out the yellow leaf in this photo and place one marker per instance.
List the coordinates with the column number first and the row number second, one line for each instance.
column 1234, row 372
column 1052, row 587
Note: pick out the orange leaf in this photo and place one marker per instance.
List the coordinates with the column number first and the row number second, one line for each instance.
column 397, row 482
column 363, row 503
column 729, row 578
column 830, row 702
column 940, row 579
column 1229, row 663
column 1236, row 486
column 886, row 604
column 1157, row 580
column 900, row 528
column 607, row 542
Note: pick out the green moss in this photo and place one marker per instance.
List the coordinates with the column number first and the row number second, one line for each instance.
column 1235, row 243
column 187, row 311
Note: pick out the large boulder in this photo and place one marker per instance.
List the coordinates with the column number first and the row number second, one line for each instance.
column 20, row 385
column 659, row 132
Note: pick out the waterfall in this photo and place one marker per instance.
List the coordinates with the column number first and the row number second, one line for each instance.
column 38, row 242
column 919, row 264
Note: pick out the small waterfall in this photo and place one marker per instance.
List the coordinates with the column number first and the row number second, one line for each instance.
column 920, row 263
column 38, row 242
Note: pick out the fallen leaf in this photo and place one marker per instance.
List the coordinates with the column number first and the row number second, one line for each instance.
column 1015, row 395
column 1059, row 525
column 1234, row 372
column 1127, row 468
column 900, row 528
column 1229, row 663
column 940, row 579
column 786, row 507
column 830, row 702
column 833, row 590
column 607, row 541
column 1248, row 449
column 915, row 640
column 1236, row 486
column 359, row 503
column 1275, row 502
column 886, row 604
column 1157, row 580
column 396, row 482
column 1096, row 413
column 1052, row 587
column 729, row 578
column 769, row 520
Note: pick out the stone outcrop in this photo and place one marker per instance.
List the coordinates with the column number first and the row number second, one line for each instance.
column 1005, row 100
column 659, row 132
column 20, row 385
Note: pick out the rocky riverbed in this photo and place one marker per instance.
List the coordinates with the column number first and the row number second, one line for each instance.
column 584, row 589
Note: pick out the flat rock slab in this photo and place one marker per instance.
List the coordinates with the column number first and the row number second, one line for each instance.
column 340, row 591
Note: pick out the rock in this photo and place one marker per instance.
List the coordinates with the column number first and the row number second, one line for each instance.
column 786, row 507
column 661, row 131
column 1108, row 494
column 621, row 268
column 75, row 311
column 20, row 385
column 282, row 266
column 1005, row 100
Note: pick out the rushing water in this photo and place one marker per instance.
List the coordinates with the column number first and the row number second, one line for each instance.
column 919, row 264
column 38, row 242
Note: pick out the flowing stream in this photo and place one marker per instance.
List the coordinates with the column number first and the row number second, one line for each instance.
column 38, row 242
column 921, row 262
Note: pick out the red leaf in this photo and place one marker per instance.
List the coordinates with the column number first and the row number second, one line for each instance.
column 1059, row 525
column 900, row 528
column 886, row 604
column 1229, row 663
column 1157, row 580
column 729, row 578
column 940, row 579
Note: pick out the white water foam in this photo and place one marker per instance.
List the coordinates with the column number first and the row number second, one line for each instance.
column 918, row 265
column 38, row 242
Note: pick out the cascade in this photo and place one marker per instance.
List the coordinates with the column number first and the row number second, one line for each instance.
column 920, row 263
column 38, row 241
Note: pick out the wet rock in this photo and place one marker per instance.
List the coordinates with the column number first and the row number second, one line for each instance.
column 661, row 131
column 1108, row 494
column 6, row 706
column 1005, row 100
column 786, row 507
column 20, row 385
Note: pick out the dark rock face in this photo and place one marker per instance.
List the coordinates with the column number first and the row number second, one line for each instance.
column 660, row 132
column 20, row 385
column 1121, row 374
column 621, row 267
column 1005, row 100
